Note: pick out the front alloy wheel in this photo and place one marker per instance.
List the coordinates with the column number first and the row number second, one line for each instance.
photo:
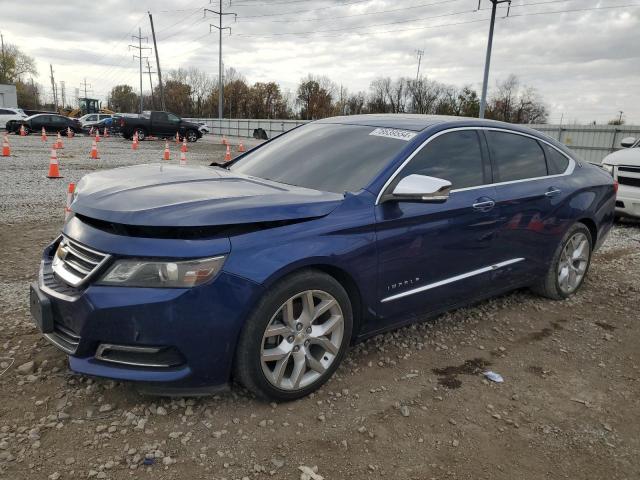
column 295, row 337
column 302, row 340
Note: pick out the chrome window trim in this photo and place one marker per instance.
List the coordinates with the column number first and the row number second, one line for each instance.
column 99, row 355
column 449, row 280
column 568, row 171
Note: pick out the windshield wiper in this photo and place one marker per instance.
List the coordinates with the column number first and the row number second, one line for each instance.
column 218, row 164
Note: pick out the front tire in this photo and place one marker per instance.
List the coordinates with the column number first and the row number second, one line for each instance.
column 192, row 136
column 569, row 265
column 296, row 337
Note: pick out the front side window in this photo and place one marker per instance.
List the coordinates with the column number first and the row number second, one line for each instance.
column 324, row 156
column 91, row 118
column 454, row 156
column 173, row 118
column 516, row 157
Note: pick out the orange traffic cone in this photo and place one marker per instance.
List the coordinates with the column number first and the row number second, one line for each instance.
column 177, row 137
column 6, row 150
column 54, row 172
column 167, row 154
column 183, row 159
column 106, row 132
column 58, row 143
column 97, row 135
column 69, row 132
column 241, row 147
column 91, row 132
column 223, row 141
column 183, row 148
column 227, row 155
column 67, row 208
column 94, row 151
column 43, row 135
column 23, row 132
column 134, row 144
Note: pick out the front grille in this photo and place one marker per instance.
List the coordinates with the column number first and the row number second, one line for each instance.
column 630, row 181
column 64, row 338
column 629, row 169
column 74, row 263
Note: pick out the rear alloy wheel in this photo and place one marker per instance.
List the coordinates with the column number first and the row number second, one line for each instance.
column 141, row 134
column 569, row 265
column 573, row 263
column 296, row 338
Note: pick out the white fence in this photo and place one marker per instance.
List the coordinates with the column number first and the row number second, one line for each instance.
column 591, row 142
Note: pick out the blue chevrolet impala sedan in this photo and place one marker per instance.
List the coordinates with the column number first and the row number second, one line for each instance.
column 265, row 269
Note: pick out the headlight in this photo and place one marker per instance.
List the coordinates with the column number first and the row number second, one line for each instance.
column 608, row 168
column 149, row 273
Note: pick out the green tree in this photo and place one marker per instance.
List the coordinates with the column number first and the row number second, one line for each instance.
column 14, row 64
column 123, row 99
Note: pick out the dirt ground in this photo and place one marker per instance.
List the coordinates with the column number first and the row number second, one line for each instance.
column 411, row 404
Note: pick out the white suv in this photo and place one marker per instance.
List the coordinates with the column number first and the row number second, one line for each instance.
column 91, row 119
column 7, row 114
column 624, row 166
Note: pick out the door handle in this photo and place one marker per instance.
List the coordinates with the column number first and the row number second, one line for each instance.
column 552, row 192
column 484, row 206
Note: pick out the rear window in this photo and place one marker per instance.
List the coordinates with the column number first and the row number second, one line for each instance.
column 557, row 163
column 516, row 157
column 324, row 156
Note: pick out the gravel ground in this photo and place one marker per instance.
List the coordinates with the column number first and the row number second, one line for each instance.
column 410, row 404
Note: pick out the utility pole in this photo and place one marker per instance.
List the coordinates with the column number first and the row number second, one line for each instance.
column 62, row 93
column 220, row 28
column 155, row 48
column 85, row 85
column 153, row 101
column 487, row 62
column 3, row 59
column 419, row 53
column 53, row 88
column 620, row 118
column 140, row 57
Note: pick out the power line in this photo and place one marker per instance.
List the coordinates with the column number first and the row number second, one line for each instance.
column 139, row 37
column 220, row 28
column 317, row 19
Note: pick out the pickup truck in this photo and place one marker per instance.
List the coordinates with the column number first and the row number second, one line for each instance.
column 158, row 124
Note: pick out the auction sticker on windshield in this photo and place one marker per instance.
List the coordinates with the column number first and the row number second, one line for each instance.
column 405, row 135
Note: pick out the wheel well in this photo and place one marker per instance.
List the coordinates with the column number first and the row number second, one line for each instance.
column 349, row 284
column 593, row 230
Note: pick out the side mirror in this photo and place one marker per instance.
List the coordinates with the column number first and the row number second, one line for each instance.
column 628, row 142
column 420, row 188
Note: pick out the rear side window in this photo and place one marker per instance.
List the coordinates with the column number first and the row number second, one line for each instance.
column 516, row 157
column 454, row 156
column 5, row 112
column 557, row 163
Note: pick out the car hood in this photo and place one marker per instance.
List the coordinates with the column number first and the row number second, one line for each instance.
column 174, row 196
column 628, row 156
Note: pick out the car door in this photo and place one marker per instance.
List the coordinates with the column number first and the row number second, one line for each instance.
column 5, row 115
column 434, row 255
column 531, row 189
column 160, row 124
column 40, row 121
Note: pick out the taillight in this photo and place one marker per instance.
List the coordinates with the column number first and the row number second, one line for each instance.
column 122, row 122
column 615, row 186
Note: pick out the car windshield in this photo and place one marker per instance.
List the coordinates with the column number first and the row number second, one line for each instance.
column 324, row 156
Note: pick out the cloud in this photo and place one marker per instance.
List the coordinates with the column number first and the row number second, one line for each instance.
column 584, row 63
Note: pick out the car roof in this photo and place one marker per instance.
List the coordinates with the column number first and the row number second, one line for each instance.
column 412, row 121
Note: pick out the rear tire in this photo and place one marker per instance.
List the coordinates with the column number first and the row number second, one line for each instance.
column 295, row 338
column 142, row 134
column 569, row 265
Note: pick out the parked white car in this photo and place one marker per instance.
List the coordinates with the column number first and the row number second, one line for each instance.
column 624, row 166
column 91, row 119
column 7, row 114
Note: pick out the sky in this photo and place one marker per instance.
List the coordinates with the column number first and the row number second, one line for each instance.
column 582, row 56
